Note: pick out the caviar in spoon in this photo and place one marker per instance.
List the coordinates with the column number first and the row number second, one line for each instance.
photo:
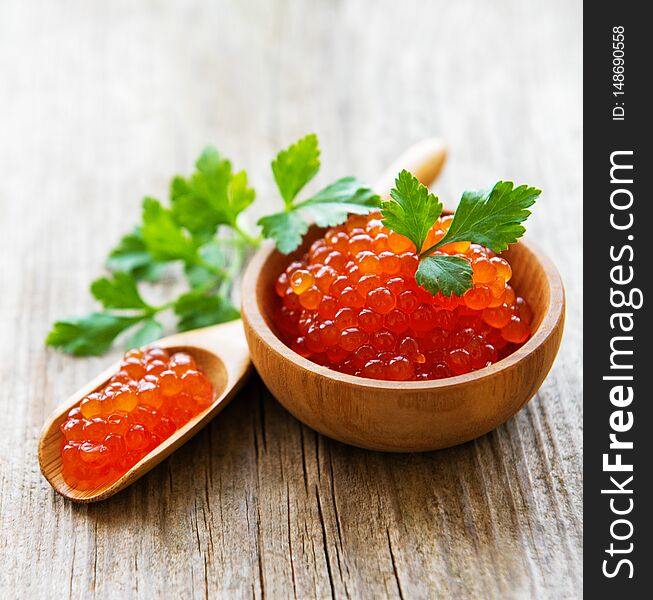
column 145, row 402
column 352, row 304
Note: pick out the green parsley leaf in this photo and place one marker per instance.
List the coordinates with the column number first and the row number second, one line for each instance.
column 295, row 166
column 209, row 200
column 331, row 205
column 131, row 256
column 120, row 291
column 239, row 197
column 90, row 335
column 445, row 274
column 164, row 239
column 149, row 331
column 286, row 228
column 199, row 275
column 212, row 196
column 191, row 210
column 493, row 217
column 198, row 309
column 412, row 210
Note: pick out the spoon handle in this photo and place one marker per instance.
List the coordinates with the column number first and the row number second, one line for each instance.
column 424, row 160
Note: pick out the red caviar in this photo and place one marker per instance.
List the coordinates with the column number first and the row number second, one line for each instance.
column 352, row 304
column 145, row 402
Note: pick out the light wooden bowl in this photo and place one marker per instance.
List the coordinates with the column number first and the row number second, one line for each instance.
column 404, row 416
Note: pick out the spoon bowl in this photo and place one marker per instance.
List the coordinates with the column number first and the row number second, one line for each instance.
column 221, row 354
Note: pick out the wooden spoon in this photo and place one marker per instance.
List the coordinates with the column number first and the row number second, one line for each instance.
column 412, row 415
column 220, row 352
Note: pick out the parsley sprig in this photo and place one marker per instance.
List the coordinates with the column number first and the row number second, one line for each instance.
column 293, row 168
column 202, row 230
column 492, row 218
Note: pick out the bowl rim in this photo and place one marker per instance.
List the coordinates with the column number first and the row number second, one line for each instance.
column 254, row 319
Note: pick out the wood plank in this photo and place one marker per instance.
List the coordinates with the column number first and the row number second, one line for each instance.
column 102, row 103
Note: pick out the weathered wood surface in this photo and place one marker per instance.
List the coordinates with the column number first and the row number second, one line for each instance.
column 101, row 102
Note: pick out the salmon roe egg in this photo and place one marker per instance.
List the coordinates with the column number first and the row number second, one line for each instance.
column 144, row 403
column 351, row 303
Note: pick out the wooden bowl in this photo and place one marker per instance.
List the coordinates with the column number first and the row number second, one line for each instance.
column 404, row 416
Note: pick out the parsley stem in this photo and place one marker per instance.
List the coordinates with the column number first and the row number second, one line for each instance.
column 200, row 262
column 235, row 266
column 429, row 250
column 443, row 242
column 249, row 239
column 157, row 309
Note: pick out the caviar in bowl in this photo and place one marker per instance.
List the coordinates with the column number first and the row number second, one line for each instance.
column 403, row 415
column 352, row 303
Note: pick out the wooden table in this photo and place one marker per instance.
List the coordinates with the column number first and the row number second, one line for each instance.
column 101, row 103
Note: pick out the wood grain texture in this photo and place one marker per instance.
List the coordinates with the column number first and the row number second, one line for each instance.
column 101, row 102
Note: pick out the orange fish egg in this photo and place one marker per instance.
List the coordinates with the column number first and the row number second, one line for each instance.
column 145, row 402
